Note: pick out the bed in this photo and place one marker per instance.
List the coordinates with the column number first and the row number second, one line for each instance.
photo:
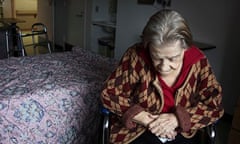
column 52, row 98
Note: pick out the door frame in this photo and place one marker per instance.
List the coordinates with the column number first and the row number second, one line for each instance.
column 87, row 22
column 13, row 8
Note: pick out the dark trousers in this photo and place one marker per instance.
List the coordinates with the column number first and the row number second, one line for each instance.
column 149, row 138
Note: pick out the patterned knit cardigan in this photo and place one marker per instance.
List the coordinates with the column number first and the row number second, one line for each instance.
column 133, row 87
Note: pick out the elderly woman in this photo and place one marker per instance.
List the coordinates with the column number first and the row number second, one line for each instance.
column 163, row 88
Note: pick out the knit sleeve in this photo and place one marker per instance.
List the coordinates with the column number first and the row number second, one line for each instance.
column 183, row 119
column 206, row 100
column 117, row 90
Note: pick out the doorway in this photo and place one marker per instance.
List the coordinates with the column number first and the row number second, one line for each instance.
column 31, row 12
column 65, row 19
column 25, row 10
column 75, row 26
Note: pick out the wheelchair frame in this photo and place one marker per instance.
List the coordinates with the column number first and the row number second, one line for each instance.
column 210, row 130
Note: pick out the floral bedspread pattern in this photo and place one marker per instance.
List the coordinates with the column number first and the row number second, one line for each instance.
column 52, row 98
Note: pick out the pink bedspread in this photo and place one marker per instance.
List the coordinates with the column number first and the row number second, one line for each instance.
column 52, row 98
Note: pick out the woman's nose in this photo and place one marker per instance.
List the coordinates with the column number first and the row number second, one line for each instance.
column 164, row 65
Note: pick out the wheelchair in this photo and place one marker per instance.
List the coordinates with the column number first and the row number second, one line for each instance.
column 206, row 135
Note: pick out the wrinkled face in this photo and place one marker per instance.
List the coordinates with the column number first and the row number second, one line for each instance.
column 168, row 58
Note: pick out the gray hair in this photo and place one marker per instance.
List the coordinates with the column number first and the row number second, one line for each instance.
column 167, row 26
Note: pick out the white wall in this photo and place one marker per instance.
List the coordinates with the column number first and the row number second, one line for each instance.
column 214, row 22
column 131, row 18
column 99, row 13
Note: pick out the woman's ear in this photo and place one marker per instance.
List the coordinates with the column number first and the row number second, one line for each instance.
column 145, row 44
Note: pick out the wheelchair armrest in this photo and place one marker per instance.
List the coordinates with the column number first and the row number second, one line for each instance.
column 105, row 111
column 211, row 132
column 105, row 126
column 208, row 134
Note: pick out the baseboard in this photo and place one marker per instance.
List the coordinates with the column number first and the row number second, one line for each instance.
column 68, row 46
column 60, row 48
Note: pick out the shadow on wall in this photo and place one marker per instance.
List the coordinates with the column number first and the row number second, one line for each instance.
column 230, row 72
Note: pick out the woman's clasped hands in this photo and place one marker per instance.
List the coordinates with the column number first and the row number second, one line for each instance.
column 163, row 125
